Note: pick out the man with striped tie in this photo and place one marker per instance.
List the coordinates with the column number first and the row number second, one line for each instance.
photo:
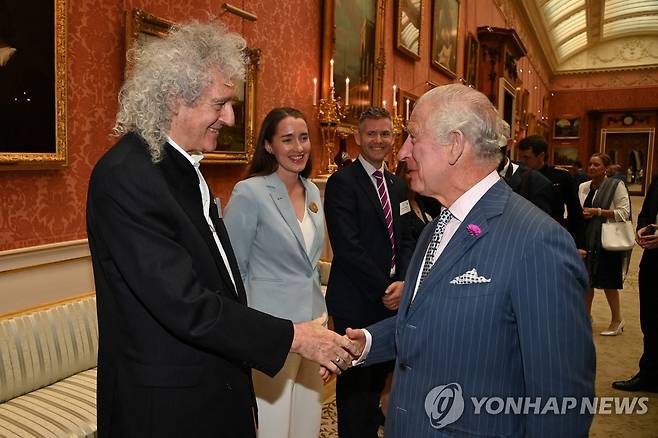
column 362, row 210
column 493, row 306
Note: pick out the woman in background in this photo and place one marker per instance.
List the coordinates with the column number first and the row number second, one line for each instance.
column 276, row 224
column 604, row 199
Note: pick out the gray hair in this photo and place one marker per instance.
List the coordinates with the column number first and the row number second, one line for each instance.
column 177, row 66
column 458, row 107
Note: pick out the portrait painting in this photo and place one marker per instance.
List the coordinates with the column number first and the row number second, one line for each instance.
column 32, row 83
column 354, row 56
column 409, row 14
column 445, row 27
column 566, row 127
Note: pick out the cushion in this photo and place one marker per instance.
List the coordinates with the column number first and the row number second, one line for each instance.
column 46, row 346
column 66, row 408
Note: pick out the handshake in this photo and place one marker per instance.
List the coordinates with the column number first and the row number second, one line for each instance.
column 332, row 351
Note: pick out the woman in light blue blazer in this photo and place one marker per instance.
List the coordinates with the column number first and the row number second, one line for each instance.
column 276, row 224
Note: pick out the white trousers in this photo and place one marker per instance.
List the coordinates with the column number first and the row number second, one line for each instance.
column 289, row 405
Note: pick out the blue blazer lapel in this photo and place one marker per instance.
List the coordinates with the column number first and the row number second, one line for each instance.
column 490, row 205
column 279, row 195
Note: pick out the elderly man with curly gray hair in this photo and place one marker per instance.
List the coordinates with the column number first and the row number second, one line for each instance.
column 177, row 341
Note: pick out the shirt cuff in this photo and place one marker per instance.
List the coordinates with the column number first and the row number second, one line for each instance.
column 366, row 349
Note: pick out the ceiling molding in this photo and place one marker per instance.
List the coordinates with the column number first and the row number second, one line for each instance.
column 634, row 49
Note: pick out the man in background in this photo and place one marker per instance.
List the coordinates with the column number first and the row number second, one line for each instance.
column 532, row 152
column 362, row 209
column 647, row 237
column 177, row 341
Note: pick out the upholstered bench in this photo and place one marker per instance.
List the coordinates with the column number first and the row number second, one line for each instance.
column 47, row 371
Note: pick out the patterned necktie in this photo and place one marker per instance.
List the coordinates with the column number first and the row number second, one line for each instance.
column 388, row 213
column 444, row 218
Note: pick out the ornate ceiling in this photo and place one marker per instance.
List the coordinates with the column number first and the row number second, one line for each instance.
column 596, row 35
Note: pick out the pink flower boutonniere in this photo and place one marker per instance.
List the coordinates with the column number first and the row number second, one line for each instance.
column 473, row 230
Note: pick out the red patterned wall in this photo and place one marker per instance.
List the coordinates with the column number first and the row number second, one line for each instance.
column 581, row 102
column 46, row 206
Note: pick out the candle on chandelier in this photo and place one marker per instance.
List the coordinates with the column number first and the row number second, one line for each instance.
column 315, row 91
column 407, row 112
column 347, row 91
column 331, row 71
column 383, row 103
column 395, row 101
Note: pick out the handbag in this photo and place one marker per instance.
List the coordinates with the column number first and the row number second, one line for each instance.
column 617, row 236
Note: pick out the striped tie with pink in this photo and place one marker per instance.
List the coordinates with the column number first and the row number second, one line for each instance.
column 388, row 213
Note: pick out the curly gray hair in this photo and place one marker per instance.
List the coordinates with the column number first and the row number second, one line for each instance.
column 458, row 107
column 177, row 66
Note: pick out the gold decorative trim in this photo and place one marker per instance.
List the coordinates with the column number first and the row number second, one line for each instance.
column 59, row 158
column 253, row 56
column 239, row 12
column 138, row 21
column 380, row 62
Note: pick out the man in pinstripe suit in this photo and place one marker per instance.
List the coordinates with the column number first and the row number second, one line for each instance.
column 493, row 304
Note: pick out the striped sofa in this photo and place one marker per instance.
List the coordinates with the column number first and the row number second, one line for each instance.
column 47, row 371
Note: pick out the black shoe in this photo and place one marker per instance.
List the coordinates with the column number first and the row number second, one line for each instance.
column 635, row 383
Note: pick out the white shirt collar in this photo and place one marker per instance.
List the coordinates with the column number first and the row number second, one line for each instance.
column 465, row 203
column 194, row 159
column 369, row 167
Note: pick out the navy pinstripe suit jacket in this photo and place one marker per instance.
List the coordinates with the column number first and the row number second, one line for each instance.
column 523, row 334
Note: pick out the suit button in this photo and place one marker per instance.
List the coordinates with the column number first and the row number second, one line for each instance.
column 229, row 387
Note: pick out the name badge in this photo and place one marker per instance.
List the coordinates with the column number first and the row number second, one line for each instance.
column 404, row 207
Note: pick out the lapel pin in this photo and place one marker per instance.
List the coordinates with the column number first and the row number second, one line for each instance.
column 313, row 207
column 473, row 230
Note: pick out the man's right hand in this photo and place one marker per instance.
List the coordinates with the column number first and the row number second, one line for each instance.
column 358, row 338
column 329, row 349
column 646, row 238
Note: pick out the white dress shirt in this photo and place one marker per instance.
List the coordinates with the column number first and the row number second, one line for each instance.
column 195, row 161
column 370, row 169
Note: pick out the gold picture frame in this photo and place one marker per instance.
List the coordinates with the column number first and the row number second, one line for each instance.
column 235, row 144
column 367, row 37
column 48, row 101
column 445, row 36
column 409, row 26
column 566, row 127
column 471, row 60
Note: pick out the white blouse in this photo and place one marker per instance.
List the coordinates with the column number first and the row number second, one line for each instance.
column 621, row 203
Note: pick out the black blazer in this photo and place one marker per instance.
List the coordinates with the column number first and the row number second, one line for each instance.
column 648, row 216
column 176, row 339
column 532, row 185
column 360, row 269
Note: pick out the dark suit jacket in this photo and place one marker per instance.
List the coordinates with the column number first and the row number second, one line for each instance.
column 176, row 339
column 521, row 332
column 360, row 269
column 648, row 216
column 532, row 185
column 566, row 194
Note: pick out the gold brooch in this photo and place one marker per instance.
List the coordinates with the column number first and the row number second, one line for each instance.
column 313, row 207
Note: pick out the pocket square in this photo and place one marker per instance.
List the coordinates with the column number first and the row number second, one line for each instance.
column 470, row 277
